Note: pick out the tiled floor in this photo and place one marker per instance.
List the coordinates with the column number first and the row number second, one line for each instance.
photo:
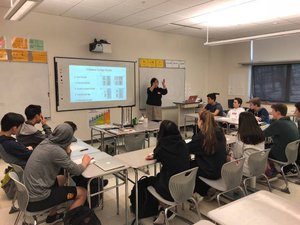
column 108, row 214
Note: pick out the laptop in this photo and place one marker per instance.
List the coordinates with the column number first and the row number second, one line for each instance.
column 192, row 99
column 109, row 163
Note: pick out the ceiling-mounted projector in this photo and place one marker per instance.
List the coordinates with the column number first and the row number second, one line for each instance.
column 101, row 46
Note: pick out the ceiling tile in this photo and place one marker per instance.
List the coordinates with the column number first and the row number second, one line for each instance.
column 190, row 3
column 5, row 4
column 187, row 22
column 171, row 18
column 53, row 7
column 82, row 12
column 107, row 17
column 130, row 21
column 125, row 9
column 149, row 14
column 150, row 24
column 169, row 7
column 145, row 3
column 167, row 27
column 103, row 4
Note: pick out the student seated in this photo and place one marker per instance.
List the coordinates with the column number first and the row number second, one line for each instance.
column 297, row 113
column 29, row 135
column 172, row 152
column 250, row 139
column 12, row 151
column 283, row 131
column 209, row 148
column 45, row 188
column 237, row 109
column 212, row 106
column 260, row 113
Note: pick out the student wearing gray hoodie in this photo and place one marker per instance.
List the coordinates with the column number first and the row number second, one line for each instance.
column 40, row 176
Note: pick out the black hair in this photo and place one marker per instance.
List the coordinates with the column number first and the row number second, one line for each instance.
column 212, row 96
column 249, row 131
column 32, row 110
column 10, row 120
column 152, row 80
column 73, row 125
column 167, row 128
column 239, row 100
column 297, row 105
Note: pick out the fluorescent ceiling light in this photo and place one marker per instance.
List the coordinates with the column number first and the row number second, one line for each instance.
column 257, row 37
column 21, row 8
column 248, row 11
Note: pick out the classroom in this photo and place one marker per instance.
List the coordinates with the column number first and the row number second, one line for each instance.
column 153, row 29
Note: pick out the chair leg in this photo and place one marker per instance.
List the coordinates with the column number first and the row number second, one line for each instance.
column 18, row 218
column 242, row 190
column 298, row 175
column 117, row 193
column 245, row 186
column 268, row 182
column 166, row 217
column 197, row 207
column 218, row 198
column 286, row 189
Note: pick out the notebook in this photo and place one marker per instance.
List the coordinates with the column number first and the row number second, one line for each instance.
column 192, row 98
column 109, row 163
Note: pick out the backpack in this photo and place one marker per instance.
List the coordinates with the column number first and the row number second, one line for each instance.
column 8, row 185
column 148, row 204
column 81, row 215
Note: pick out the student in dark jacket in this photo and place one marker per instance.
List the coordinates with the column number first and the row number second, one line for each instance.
column 209, row 148
column 12, row 151
column 172, row 152
column 260, row 113
column 155, row 94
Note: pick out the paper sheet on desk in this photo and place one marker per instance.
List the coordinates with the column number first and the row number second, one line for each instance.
column 79, row 161
column 77, row 147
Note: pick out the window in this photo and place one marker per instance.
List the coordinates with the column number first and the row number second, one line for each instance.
column 276, row 83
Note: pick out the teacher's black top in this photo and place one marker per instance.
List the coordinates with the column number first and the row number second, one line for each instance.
column 154, row 97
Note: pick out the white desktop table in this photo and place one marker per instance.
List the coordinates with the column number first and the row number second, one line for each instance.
column 260, row 208
column 136, row 159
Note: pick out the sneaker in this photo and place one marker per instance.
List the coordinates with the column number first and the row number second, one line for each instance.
column 211, row 195
column 160, row 218
column 292, row 172
column 198, row 198
column 55, row 218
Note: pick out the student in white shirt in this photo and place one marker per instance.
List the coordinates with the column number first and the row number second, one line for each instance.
column 250, row 139
column 237, row 109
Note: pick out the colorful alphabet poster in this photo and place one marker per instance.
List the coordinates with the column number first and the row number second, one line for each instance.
column 35, row 44
column 19, row 55
column 19, row 43
column 2, row 42
column 39, row 57
column 99, row 116
column 3, row 55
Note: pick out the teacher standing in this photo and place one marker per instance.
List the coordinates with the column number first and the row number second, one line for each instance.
column 154, row 99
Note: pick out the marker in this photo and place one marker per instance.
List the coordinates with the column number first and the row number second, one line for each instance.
column 84, row 149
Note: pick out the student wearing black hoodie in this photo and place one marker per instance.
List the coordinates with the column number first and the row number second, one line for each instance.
column 209, row 148
column 172, row 152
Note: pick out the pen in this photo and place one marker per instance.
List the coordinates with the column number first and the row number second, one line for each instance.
column 84, row 149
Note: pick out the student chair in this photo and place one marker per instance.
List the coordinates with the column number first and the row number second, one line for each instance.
column 231, row 178
column 181, row 187
column 19, row 171
column 23, row 199
column 257, row 165
column 291, row 153
column 134, row 141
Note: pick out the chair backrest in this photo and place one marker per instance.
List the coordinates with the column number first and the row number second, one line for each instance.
column 291, row 151
column 232, row 173
column 18, row 170
column 134, row 141
column 182, row 185
column 258, row 162
column 23, row 197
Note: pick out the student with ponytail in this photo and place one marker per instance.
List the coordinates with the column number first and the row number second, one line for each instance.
column 209, row 148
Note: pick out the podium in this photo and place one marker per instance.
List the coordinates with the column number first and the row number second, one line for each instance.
column 182, row 109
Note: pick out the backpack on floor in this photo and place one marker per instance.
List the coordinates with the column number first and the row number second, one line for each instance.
column 148, row 204
column 8, row 185
column 81, row 215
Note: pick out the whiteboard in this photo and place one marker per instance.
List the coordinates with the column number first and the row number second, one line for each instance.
column 175, row 82
column 22, row 84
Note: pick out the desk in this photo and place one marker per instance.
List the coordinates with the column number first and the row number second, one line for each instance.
column 82, row 153
column 136, row 159
column 92, row 171
column 260, row 208
column 184, row 105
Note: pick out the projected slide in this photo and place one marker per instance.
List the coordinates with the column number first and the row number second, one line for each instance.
column 97, row 83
